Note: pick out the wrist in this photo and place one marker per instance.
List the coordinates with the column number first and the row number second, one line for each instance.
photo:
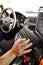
column 13, row 53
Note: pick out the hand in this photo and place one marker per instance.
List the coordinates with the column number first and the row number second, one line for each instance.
column 21, row 45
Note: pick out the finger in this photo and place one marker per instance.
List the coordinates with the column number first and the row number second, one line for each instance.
column 20, row 40
column 27, row 46
column 25, row 42
column 27, row 51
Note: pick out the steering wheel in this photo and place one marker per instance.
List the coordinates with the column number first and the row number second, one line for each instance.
column 8, row 18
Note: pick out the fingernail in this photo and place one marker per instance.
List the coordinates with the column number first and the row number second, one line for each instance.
column 28, row 40
column 30, row 49
column 24, row 38
column 31, row 43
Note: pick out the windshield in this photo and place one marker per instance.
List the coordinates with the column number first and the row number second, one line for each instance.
column 23, row 6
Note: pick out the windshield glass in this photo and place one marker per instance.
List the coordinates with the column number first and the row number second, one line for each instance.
column 23, row 6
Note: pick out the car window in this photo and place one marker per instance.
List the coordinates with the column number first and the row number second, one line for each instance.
column 23, row 5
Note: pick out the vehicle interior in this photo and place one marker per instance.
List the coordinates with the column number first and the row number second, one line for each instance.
column 14, row 25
